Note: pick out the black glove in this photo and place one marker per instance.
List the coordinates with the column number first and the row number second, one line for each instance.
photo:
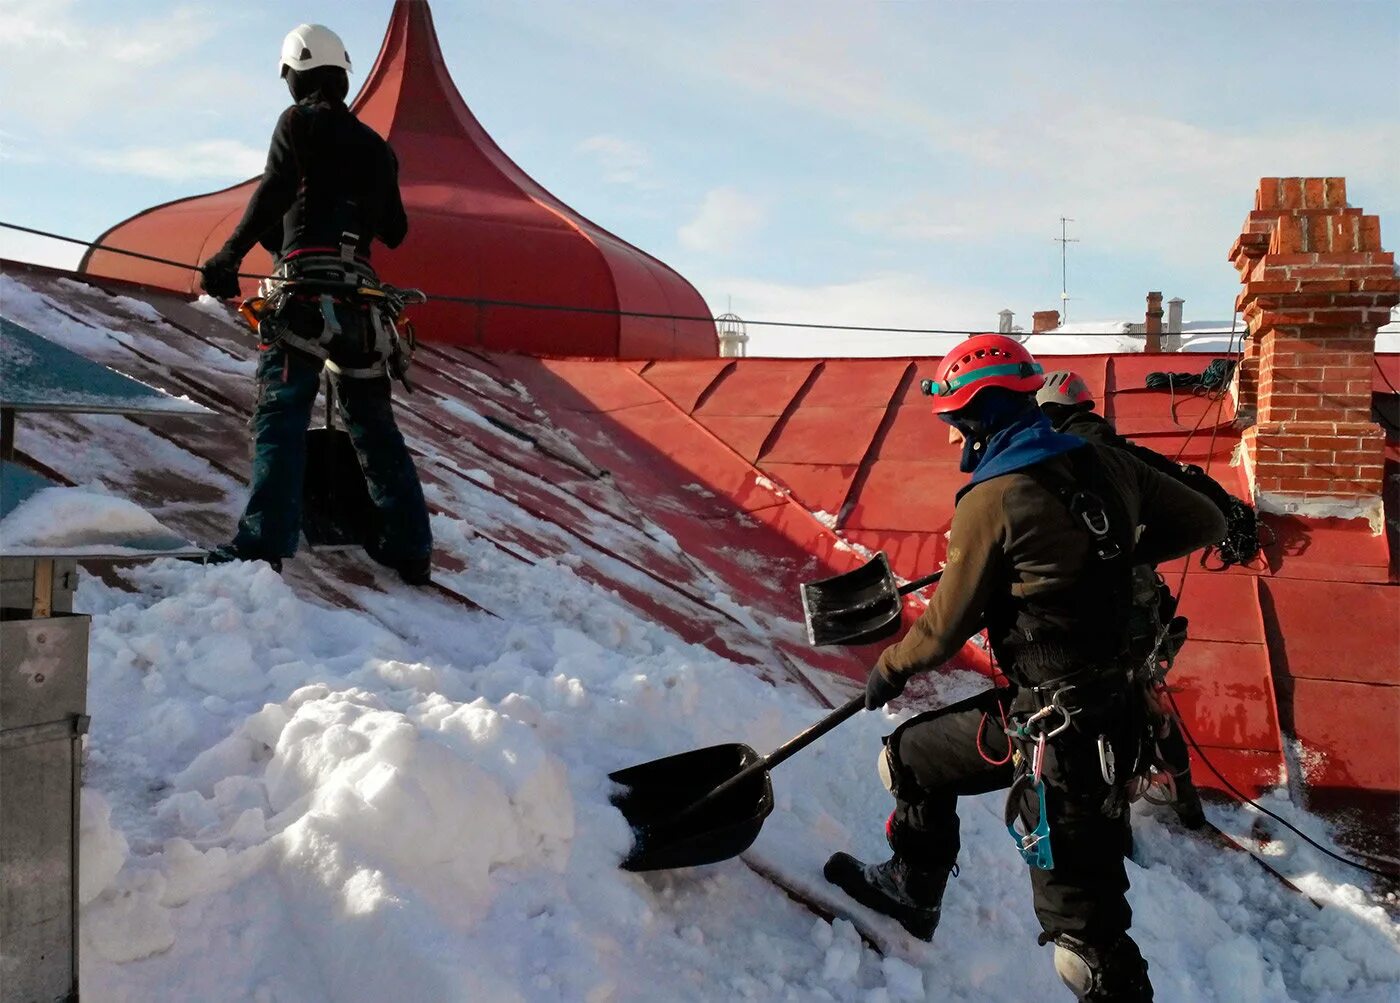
column 219, row 276
column 880, row 689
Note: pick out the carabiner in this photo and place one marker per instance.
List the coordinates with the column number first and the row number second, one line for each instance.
column 1034, row 846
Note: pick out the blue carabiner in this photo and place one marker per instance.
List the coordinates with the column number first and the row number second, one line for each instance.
column 1034, row 846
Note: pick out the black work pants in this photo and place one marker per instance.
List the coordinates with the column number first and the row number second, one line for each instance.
column 959, row 750
column 288, row 381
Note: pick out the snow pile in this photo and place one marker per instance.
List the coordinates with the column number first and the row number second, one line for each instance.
column 313, row 804
column 62, row 520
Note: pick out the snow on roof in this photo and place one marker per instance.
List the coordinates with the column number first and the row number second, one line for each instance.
column 329, row 786
column 81, row 523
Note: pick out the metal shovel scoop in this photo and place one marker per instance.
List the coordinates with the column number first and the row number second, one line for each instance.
column 858, row 607
column 336, row 509
column 708, row 805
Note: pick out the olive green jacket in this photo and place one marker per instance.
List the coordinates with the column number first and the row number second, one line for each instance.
column 1012, row 534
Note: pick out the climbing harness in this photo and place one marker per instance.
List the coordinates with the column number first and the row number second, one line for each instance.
column 363, row 334
column 1028, row 739
column 1103, row 686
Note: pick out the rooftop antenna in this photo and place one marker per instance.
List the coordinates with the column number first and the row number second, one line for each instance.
column 1064, row 240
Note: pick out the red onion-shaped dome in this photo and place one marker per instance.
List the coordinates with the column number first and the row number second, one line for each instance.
column 479, row 227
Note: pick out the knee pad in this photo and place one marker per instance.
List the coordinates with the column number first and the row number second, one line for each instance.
column 886, row 769
column 1073, row 967
column 1097, row 975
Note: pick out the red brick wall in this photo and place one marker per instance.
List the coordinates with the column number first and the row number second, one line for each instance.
column 1317, row 285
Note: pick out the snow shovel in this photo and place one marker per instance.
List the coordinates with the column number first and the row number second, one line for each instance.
column 858, row 607
column 336, row 509
column 707, row 805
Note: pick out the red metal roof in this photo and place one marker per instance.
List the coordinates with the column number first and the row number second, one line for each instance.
column 479, row 227
column 731, row 458
column 854, row 438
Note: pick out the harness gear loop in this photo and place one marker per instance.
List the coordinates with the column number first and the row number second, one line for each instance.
column 343, row 288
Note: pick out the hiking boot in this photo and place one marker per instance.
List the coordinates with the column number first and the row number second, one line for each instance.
column 415, row 570
column 914, row 898
column 1188, row 805
column 412, row 570
column 228, row 553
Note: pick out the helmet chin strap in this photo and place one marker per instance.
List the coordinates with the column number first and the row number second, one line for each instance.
column 973, row 440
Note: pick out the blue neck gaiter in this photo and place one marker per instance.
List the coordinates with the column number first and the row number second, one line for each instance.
column 1006, row 434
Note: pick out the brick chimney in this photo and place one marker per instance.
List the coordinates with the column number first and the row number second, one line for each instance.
column 1044, row 320
column 1153, row 322
column 1317, row 285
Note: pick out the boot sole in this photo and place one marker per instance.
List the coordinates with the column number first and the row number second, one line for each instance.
column 847, row 873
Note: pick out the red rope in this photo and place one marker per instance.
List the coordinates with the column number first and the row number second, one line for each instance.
column 981, row 730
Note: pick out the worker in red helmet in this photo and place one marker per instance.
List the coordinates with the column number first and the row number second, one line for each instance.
column 1040, row 552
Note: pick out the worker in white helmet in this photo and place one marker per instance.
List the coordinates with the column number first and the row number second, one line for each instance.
column 330, row 189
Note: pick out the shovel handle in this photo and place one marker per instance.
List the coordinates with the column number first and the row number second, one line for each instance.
column 785, row 751
column 330, row 401
column 919, row 583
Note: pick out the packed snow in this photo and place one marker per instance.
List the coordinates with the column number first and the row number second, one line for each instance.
column 290, row 803
column 286, row 802
column 72, row 521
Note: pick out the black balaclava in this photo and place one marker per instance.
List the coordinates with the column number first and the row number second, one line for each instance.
column 1061, row 413
column 324, row 83
column 989, row 412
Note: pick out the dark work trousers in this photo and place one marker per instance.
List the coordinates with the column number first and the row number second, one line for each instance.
column 935, row 759
column 288, row 381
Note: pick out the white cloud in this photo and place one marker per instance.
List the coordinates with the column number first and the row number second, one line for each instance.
column 81, row 65
column 1132, row 182
column 17, row 246
column 894, row 299
column 210, row 159
column 623, row 161
column 726, row 217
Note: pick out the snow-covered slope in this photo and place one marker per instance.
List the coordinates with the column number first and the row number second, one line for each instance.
column 315, row 804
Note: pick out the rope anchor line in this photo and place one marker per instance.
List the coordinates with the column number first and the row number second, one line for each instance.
column 1218, row 394
column 480, row 301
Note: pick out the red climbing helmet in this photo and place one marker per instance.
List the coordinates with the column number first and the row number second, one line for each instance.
column 1064, row 386
column 982, row 361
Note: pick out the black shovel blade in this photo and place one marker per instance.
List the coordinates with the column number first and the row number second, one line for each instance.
column 336, row 509
column 858, row 607
column 654, row 793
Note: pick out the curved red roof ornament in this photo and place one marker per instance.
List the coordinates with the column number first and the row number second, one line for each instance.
column 479, row 227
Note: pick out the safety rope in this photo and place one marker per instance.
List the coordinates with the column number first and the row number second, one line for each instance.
column 1242, row 798
column 1380, row 414
column 1223, row 379
column 484, row 302
column 1215, row 378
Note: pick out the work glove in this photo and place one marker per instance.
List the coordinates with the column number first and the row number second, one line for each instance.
column 880, row 689
column 219, row 276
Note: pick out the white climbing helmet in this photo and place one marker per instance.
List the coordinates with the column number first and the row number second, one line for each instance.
column 308, row 46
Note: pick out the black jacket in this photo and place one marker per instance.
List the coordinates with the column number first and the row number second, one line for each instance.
column 1097, row 429
column 327, row 173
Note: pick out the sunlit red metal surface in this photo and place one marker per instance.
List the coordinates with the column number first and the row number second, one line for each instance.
column 479, row 227
column 1303, row 643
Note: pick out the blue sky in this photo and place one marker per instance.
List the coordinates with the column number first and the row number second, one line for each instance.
column 891, row 163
